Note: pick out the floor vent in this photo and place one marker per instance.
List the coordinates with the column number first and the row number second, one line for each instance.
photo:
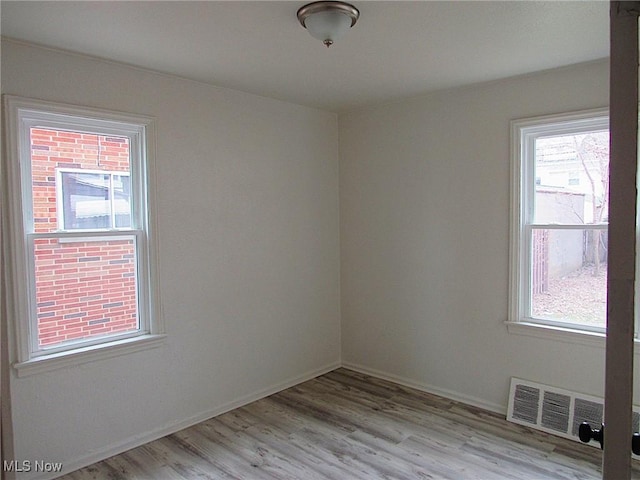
column 554, row 410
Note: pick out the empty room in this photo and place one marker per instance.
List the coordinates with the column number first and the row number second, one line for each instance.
column 328, row 240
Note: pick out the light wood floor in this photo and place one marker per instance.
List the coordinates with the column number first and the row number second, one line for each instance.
column 346, row 425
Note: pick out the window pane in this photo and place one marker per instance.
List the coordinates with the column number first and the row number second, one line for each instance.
column 572, row 178
column 84, row 289
column 569, row 276
column 68, row 152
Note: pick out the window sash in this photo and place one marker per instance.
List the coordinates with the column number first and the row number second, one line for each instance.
column 137, row 236
column 137, row 152
column 527, row 288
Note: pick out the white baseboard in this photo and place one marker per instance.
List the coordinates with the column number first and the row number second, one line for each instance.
column 423, row 387
column 138, row 440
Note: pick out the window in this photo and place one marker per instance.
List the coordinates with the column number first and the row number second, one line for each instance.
column 559, row 224
column 80, row 221
column 93, row 200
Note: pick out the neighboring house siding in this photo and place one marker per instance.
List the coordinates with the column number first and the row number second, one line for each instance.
column 83, row 288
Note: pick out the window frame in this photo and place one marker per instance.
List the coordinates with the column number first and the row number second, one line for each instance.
column 20, row 115
column 524, row 132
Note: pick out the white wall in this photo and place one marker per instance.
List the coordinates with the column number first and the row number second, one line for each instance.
column 424, row 201
column 249, row 259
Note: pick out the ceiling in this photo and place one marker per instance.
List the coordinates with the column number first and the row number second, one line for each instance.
column 396, row 50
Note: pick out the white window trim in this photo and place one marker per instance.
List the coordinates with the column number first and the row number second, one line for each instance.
column 18, row 111
column 519, row 288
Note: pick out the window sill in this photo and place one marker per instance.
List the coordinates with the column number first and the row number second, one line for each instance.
column 92, row 353
column 560, row 334
column 549, row 332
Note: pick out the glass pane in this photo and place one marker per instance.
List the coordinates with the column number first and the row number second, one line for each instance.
column 569, row 276
column 84, row 289
column 69, row 153
column 572, row 178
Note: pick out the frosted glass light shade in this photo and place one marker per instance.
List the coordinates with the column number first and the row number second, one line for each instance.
column 328, row 25
column 328, row 20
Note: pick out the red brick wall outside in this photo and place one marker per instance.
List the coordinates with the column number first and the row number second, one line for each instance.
column 83, row 288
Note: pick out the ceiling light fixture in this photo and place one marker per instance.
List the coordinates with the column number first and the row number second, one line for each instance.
column 328, row 21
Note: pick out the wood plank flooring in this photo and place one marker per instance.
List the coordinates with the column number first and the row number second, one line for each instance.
column 346, row 425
